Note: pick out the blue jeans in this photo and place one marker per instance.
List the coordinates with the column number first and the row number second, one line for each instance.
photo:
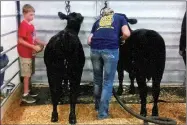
column 106, row 60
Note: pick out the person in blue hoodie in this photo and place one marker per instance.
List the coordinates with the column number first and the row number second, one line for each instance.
column 104, row 41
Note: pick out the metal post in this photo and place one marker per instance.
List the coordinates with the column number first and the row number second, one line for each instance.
column 18, row 24
column 18, row 13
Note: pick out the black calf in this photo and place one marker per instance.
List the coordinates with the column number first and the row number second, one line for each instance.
column 143, row 57
column 64, row 58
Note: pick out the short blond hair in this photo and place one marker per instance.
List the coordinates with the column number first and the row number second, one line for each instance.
column 28, row 8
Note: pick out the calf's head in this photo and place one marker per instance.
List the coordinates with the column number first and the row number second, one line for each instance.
column 74, row 20
column 130, row 21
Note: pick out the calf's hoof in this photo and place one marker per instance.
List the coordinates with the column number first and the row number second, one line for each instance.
column 54, row 117
column 72, row 119
column 120, row 91
column 143, row 112
column 155, row 111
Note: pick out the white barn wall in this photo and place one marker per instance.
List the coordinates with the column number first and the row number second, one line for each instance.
column 163, row 16
column 9, row 38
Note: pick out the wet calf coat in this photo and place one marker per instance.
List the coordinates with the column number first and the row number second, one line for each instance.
column 64, row 58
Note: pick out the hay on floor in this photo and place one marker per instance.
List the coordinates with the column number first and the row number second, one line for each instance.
column 86, row 115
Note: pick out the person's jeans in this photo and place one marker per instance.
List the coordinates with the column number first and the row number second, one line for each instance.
column 106, row 60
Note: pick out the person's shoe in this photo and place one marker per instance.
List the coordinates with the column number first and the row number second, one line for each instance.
column 96, row 108
column 33, row 94
column 28, row 99
column 103, row 117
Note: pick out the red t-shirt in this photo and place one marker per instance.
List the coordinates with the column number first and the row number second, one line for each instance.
column 27, row 32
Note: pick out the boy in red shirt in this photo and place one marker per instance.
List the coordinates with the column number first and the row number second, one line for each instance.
column 26, row 49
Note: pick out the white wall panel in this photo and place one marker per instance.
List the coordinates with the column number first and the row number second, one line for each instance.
column 11, row 72
column 9, row 40
column 171, row 39
column 57, row 24
column 145, row 9
column 158, row 24
column 8, row 8
column 8, row 24
column 46, row 7
column 53, row 7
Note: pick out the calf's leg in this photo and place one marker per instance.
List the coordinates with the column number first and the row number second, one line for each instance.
column 120, row 77
column 156, row 91
column 74, row 91
column 132, row 88
column 55, row 82
column 141, row 80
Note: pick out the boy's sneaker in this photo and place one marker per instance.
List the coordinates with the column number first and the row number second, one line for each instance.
column 33, row 94
column 28, row 99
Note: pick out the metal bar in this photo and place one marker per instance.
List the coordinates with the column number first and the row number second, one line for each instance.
column 56, row 31
column 6, row 67
column 18, row 24
column 8, row 50
column 167, row 58
column 5, row 34
column 8, row 81
column 167, row 46
column 5, row 99
column 53, row 16
column 18, row 13
column 125, row 82
column 90, row 70
column 4, row 16
column 88, row 31
column 56, row 17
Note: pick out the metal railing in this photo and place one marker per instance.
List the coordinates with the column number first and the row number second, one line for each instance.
column 6, row 83
column 5, row 95
column 6, row 67
column 5, row 34
column 4, row 52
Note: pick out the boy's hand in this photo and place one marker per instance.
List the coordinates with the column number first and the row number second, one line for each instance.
column 37, row 48
column 38, row 41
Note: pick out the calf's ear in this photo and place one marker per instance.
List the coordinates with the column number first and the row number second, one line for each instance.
column 62, row 16
column 132, row 21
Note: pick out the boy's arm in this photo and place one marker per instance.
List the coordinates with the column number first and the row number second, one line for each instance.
column 23, row 42
column 40, row 42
